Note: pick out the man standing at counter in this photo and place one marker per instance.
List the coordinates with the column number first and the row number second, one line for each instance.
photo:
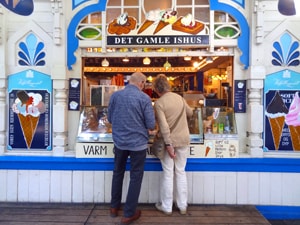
column 131, row 114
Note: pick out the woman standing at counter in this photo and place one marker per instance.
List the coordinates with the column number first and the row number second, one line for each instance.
column 171, row 114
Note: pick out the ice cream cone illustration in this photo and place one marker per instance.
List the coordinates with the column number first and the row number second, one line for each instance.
column 145, row 25
column 28, row 125
column 292, row 119
column 208, row 148
column 152, row 17
column 276, row 127
column 28, row 107
column 276, row 112
column 167, row 17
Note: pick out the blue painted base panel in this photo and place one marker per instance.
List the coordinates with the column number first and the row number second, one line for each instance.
column 280, row 165
column 280, row 212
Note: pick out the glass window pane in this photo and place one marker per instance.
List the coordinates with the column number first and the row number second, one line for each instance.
column 132, row 12
column 131, row 2
column 85, row 20
column 184, row 2
column 157, row 4
column 202, row 14
column 114, row 2
column 96, row 18
column 112, row 14
column 201, row 2
column 183, row 11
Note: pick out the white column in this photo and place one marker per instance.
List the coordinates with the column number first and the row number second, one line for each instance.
column 255, row 111
column 60, row 117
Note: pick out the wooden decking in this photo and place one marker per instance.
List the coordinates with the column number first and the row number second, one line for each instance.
column 97, row 214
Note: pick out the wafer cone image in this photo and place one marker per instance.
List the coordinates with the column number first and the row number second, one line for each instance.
column 28, row 124
column 207, row 149
column 160, row 26
column 295, row 137
column 277, row 125
column 145, row 25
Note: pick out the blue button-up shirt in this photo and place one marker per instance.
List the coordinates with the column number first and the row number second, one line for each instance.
column 131, row 114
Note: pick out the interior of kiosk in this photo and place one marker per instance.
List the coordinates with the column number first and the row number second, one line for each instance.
column 202, row 81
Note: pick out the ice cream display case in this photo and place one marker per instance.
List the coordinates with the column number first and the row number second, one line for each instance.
column 220, row 133
column 93, row 125
column 213, row 133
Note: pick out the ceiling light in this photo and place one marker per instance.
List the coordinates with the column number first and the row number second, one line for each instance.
column 209, row 59
column 126, row 59
column 167, row 65
column 105, row 63
column 187, row 58
column 146, row 61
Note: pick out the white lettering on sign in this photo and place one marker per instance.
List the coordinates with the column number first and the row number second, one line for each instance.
column 123, row 40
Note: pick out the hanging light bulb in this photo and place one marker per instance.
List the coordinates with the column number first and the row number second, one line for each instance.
column 187, row 58
column 209, row 59
column 126, row 59
column 146, row 61
column 105, row 63
column 167, row 65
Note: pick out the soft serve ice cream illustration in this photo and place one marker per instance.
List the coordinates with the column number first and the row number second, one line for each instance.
column 28, row 107
column 292, row 119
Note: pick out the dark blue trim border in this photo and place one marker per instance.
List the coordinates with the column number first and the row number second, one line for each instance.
column 279, row 212
column 283, row 165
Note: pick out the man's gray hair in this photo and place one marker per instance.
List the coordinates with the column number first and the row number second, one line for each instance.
column 137, row 77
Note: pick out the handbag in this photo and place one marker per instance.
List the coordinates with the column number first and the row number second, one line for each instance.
column 158, row 146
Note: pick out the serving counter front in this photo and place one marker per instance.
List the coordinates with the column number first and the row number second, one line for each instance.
column 212, row 134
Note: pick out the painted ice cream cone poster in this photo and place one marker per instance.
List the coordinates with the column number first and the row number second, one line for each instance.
column 282, row 112
column 29, row 111
column 28, row 107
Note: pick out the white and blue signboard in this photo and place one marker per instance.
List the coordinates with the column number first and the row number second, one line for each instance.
column 240, row 96
column 30, row 107
column 282, row 111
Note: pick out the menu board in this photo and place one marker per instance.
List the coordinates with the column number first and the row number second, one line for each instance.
column 74, row 94
column 240, row 96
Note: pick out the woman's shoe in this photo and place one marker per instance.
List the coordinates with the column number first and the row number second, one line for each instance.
column 158, row 206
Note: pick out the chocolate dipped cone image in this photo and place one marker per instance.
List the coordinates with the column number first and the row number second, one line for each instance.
column 292, row 119
column 276, row 112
